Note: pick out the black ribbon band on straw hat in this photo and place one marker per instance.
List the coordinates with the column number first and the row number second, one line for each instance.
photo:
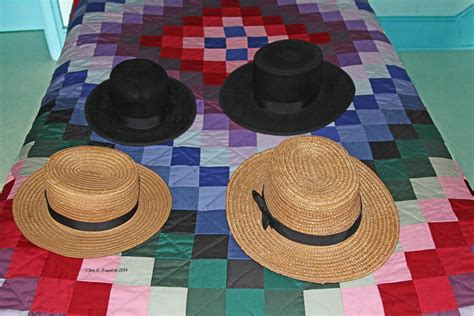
column 299, row 237
column 90, row 226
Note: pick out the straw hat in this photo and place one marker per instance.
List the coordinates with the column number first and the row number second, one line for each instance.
column 91, row 202
column 308, row 210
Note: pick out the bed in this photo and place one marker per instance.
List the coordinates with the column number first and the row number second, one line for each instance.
column 194, row 265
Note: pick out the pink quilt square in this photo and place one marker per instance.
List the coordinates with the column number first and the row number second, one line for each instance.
column 15, row 170
column 213, row 31
column 437, row 210
column 255, row 30
column 394, row 270
column 251, row 53
column 416, row 237
column 102, row 269
column 237, row 155
column 128, row 300
column 362, row 301
column 234, row 64
column 193, row 42
column 18, row 182
column 218, row 54
column 275, row 38
column 455, row 188
column 236, row 42
column 232, row 21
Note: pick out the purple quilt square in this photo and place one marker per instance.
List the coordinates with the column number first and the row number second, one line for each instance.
column 242, row 137
column 211, row 198
column 356, row 25
column 18, row 293
column 411, row 102
column 87, row 39
column 216, row 121
column 132, row 18
column 111, row 27
column 331, row 16
column 185, row 198
column 234, row 251
column 360, row 150
column 405, row 87
column 349, row 59
column 329, row 132
column 365, row 46
column 184, row 176
column 286, row 2
column 463, row 285
column 348, row 118
column 174, row 3
column 389, row 101
column 105, row 50
column 351, row 133
column 5, row 256
column 153, row 10
column 379, row 36
column 308, row 8
column 396, row 117
column 371, row 116
column 212, row 222
column 378, row 133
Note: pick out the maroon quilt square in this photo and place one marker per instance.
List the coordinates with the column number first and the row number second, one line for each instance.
column 250, row 11
column 60, row 267
column 169, row 52
column 231, row 11
column 272, row 20
column 447, row 234
column 424, row 264
column 150, row 41
column 295, row 29
column 172, row 30
column 320, row 38
column 90, row 298
column 171, row 41
column 27, row 261
column 192, row 20
column 399, row 298
column 467, row 229
column 435, row 294
column 192, row 65
column 212, row 12
column 464, row 209
column 53, row 295
column 252, row 20
column 456, row 260
column 303, row 37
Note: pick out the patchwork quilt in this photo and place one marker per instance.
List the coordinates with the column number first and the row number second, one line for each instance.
column 193, row 265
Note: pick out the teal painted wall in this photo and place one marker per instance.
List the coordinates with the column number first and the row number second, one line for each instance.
column 20, row 15
column 419, row 7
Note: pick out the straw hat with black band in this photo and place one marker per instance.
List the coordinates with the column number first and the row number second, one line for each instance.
column 140, row 105
column 90, row 202
column 308, row 210
column 288, row 89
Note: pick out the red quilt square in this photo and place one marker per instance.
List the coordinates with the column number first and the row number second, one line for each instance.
column 192, row 20
column 192, row 65
column 59, row 267
column 53, row 295
column 231, row 11
column 250, row 11
column 192, row 54
column 193, row 31
column 273, row 30
column 456, row 260
column 272, row 20
column 170, row 52
column 212, row 21
column 424, row 264
column 172, row 41
column 27, row 261
column 211, row 12
column 25, row 243
column 320, row 38
column 399, row 298
column 6, row 190
column 172, row 30
column 10, row 232
column 295, row 29
column 90, row 298
column 464, row 209
column 467, row 229
column 447, row 234
column 216, row 79
column 435, row 295
column 150, row 41
column 214, row 67
column 303, row 37
column 252, row 20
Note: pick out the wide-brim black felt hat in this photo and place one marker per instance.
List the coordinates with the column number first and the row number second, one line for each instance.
column 140, row 105
column 288, row 89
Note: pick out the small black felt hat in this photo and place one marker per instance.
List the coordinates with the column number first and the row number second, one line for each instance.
column 140, row 105
column 288, row 89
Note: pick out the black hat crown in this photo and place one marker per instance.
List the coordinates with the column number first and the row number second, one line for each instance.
column 139, row 91
column 287, row 75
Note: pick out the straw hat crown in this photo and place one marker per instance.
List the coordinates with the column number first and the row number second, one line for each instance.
column 91, row 184
column 312, row 186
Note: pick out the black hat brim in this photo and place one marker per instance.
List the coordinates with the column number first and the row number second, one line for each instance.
column 103, row 122
column 237, row 102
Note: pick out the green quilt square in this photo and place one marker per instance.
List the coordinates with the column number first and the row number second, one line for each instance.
column 45, row 148
column 208, row 273
column 411, row 148
column 445, row 167
column 410, row 213
column 284, row 302
column 206, row 302
column 427, row 131
column 175, row 246
column 147, row 249
column 419, row 167
column 436, row 148
column 427, row 188
column 36, row 127
column 169, row 272
column 245, row 302
column 274, row 280
column 400, row 189
column 390, row 169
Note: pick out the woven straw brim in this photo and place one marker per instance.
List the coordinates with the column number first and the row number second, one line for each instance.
column 36, row 224
column 359, row 255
